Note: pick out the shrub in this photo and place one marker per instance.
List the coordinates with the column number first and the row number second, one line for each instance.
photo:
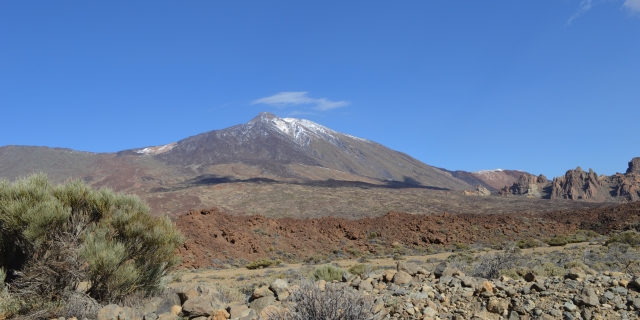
column 491, row 265
column 528, row 243
column 263, row 263
column 462, row 247
column 582, row 236
column 328, row 273
column 557, row 241
column 309, row 303
column 629, row 237
column 362, row 270
column 55, row 236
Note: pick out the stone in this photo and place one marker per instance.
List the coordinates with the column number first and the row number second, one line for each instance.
column 529, row 277
column 263, row 291
column 176, row 310
column 407, row 267
column 269, row 311
column 261, row 303
column 236, row 310
column 365, row 285
column 429, row 312
column 280, row 288
column 346, row 276
column 443, row 270
column 498, row 306
column 528, row 305
column 485, row 286
column 200, row 306
column 150, row 316
column 151, row 306
column 576, row 273
column 167, row 316
column 184, row 296
column 569, row 306
column 166, row 304
column 388, row 275
column 401, row 278
column 537, row 286
column 221, row 314
column 587, row 297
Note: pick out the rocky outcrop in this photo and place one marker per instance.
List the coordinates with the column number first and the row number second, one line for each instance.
column 581, row 185
column 634, row 165
column 527, row 185
column 480, row 191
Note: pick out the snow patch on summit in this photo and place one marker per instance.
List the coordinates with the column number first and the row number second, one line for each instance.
column 157, row 149
column 488, row 171
column 303, row 131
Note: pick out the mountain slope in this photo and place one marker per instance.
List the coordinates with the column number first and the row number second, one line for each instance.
column 271, row 142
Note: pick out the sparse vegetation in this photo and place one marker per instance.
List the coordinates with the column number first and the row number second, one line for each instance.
column 327, row 273
column 55, row 236
column 263, row 263
column 311, row 303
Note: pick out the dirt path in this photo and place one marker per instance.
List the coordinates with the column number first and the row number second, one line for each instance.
column 229, row 277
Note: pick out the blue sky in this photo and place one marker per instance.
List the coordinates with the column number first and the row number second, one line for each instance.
column 541, row 86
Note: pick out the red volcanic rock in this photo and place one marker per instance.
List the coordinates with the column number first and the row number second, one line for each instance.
column 213, row 236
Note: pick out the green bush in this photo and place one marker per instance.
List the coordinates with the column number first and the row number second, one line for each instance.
column 328, row 273
column 557, row 241
column 582, row 236
column 263, row 263
column 527, row 243
column 362, row 270
column 57, row 236
column 629, row 237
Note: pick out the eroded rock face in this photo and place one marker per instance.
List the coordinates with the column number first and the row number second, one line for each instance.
column 581, row 185
column 634, row 165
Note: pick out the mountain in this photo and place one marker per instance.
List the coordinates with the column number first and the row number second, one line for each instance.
column 578, row 184
column 266, row 158
column 280, row 146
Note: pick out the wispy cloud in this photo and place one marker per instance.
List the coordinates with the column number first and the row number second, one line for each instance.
column 633, row 5
column 288, row 99
column 585, row 5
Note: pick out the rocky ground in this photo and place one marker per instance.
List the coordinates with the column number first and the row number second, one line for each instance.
column 412, row 292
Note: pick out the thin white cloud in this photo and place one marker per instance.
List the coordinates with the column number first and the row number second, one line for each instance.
column 633, row 5
column 287, row 99
column 585, row 5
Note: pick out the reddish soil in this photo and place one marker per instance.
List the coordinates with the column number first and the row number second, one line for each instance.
column 212, row 234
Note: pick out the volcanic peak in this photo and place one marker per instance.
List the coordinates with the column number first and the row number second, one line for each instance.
column 301, row 131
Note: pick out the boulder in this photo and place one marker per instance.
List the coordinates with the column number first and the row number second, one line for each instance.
column 280, row 288
column 587, row 297
column 401, row 278
column 258, row 304
column 442, row 269
column 389, row 274
column 260, row 292
column 221, row 314
column 407, row 267
column 200, row 306
column 184, row 296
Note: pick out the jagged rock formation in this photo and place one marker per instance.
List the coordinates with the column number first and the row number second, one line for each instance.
column 480, row 191
column 578, row 184
column 528, row 185
column 634, row 165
